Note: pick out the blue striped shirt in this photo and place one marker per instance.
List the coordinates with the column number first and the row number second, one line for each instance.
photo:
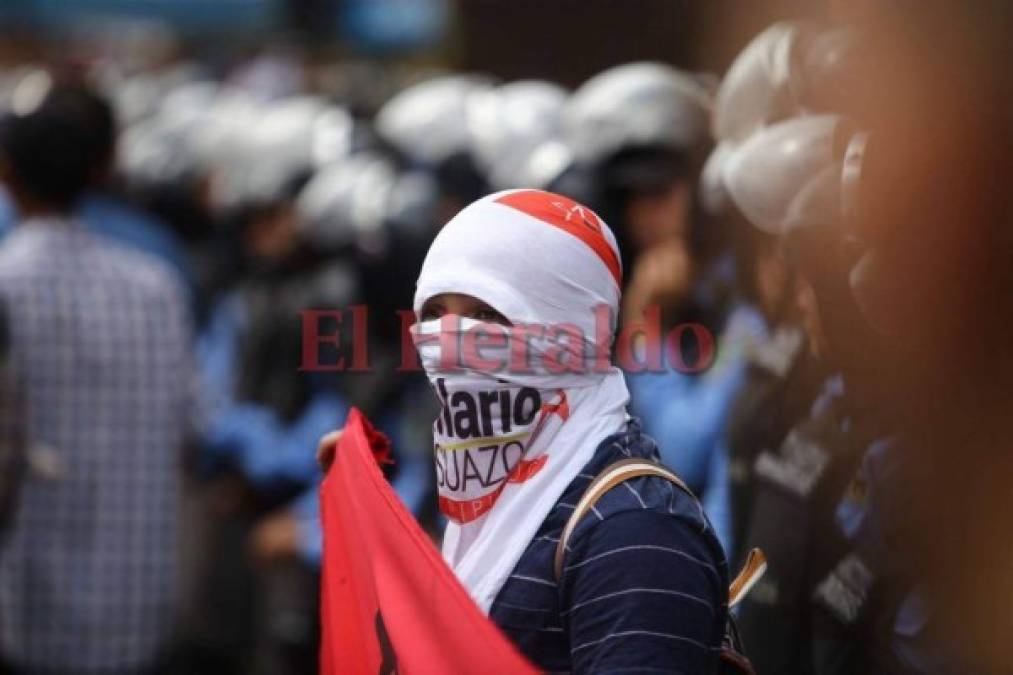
column 644, row 585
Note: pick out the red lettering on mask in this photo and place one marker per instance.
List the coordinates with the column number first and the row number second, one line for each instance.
column 467, row 510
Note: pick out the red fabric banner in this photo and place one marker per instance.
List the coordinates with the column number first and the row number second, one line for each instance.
column 389, row 603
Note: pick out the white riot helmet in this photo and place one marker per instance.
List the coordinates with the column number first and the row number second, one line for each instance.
column 343, row 203
column 364, row 201
column 637, row 105
column 163, row 147
column 510, row 124
column 764, row 174
column 428, row 121
column 758, row 88
column 790, row 69
column 279, row 142
column 714, row 197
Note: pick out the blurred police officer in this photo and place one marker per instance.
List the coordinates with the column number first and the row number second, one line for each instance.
column 258, row 575
column 641, row 130
column 784, row 71
column 816, row 611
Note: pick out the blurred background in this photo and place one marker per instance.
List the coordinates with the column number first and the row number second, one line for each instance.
column 822, row 185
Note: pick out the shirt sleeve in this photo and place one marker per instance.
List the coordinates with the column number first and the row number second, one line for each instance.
column 717, row 501
column 269, row 452
column 641, row 592
column 306, row 510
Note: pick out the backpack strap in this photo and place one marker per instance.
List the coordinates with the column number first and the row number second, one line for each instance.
column 751, row 572
column 624, row 470
column 612, row 475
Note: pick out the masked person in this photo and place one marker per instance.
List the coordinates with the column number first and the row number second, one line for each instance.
column 640, row 581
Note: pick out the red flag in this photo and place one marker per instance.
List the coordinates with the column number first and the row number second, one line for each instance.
column 389, row 603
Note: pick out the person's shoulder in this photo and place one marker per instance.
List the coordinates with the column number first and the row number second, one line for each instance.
column 652, row 510
column 102, row 207
column 652, row 541
column 27, row 265
column 145, row 272
column 123, row 222
column 653, row 515
column 653, row 499
column 643, row 493
column 19, row 251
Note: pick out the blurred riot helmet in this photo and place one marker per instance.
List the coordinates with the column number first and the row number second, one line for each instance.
column 642, row 130
column 509, row 125
column 427, row 125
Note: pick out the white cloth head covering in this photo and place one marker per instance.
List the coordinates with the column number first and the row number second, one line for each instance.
column 544, row 260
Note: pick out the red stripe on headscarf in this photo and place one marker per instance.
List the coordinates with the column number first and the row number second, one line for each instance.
column 571, row 217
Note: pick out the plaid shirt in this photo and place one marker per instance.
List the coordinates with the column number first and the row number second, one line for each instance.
column 98, row 358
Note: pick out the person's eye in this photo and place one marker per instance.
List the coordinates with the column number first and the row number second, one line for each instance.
column 430, row 312
column 488, row 315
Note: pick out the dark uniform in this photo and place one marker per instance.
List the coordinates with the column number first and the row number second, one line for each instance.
column 781, row 380
column 814, row 610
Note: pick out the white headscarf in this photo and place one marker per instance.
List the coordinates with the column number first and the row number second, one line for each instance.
column 524, row 410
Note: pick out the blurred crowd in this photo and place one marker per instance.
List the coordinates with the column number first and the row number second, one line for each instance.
column 832, row 211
